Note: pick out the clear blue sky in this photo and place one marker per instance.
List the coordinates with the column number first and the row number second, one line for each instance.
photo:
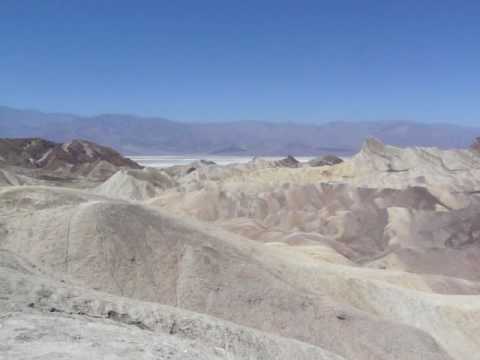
column 310, row 61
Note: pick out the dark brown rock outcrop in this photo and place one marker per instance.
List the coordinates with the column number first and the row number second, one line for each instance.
column 289, row 161
column 327, row 160
column 40, row 153
column 476, row 144
column 23, row 152
column 78, row 152
column 47, row 160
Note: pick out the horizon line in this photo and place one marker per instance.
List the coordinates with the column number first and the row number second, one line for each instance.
column 232, row 121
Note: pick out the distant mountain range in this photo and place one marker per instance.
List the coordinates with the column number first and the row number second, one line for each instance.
column 134, row 135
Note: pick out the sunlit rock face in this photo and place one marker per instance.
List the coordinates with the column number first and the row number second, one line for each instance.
column 372, row 257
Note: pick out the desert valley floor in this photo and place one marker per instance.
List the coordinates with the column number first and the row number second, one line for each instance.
column 376, row 257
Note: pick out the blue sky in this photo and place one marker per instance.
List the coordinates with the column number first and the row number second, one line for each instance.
column 305, row 61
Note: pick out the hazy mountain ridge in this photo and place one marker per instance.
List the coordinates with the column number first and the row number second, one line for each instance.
column 142, row 135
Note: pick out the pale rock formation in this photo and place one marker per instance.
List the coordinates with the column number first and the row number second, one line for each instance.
column 375, row 257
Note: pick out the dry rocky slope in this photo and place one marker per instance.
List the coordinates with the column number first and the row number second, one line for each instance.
column 375, row 257
column 34, row 160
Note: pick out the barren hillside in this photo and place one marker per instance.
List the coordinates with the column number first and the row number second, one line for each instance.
column 375, row 257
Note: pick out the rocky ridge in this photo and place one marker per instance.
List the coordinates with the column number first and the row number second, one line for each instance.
column 374, row 257
column 44, row 160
